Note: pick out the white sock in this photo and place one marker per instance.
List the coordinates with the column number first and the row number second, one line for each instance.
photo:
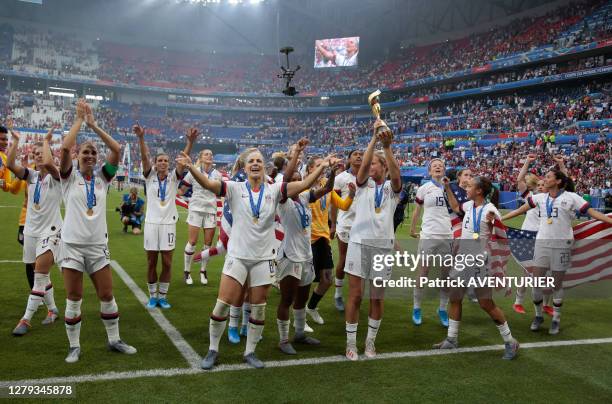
column 443, row 300
column 234, row 316
column 537, row 301
column 351, row 334
column 72, row 318
column 299, row 318
column 417, row 297
column 453, row 329
column 188, row 256
column 339, row 284
column 152, row 289
column 218, row 318
column 373, row 326
column 557, row 303
column 163, row 289
column 36, row 296
column 520, row 295
column 256, row 326
column 205, row 259
column 504, row 331
column 110, row 317
column 246, row 313
column 283, row 330
column 49, row 296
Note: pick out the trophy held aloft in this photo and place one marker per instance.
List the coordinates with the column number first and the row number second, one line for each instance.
column 373, row 100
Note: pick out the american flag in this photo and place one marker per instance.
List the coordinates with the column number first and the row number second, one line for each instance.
column 499, row 251
column 591, row 260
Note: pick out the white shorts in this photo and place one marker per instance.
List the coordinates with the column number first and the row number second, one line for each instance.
column 429, row 246
column 343, row 236
column 304, row 271
column 258, row 273
column 159, row 237
column 34, row 247
column 85, row 258
column 360, row 262
column 204, row 220
column 555, row 259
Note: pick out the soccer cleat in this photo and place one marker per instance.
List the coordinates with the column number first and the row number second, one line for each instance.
column 152, row 303
column 22, row 328
column 121, row 347
column 416, row 316
column 203, row 278
column 303, row 339
column 548, row 310
column 554, row 328
column 518, row 308
column 511, row 349
column 244, row 330
column 536, row 323
column 447, row 344
column 253, row 361
column 443, row 315
column 351, row 353
column 287, row 348
column 233, row 335
column 314, row 314
column 209, row 360
column 370, row 349
column 73, row 354
column 163, row 303
column 339, row 303
column 52, row 315
column 188, row 279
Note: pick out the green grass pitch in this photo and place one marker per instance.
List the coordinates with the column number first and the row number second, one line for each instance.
column 563, row 374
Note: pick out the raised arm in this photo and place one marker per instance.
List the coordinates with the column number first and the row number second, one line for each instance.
column 595, row 214
column 294, row 188
column 192, row 136
column 115, row 148
column 326, row 53
column 364, row 170
column 523, row 209
column 450, row 196
column 297, row 148
column 145, row 157
column 70, row 139
column 561, row 163
column 47, row 155
column 520, row 181
column 18, row 170
column 386, row 139
column 213, row 186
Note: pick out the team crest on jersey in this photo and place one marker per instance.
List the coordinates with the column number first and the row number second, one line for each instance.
column 564, row 203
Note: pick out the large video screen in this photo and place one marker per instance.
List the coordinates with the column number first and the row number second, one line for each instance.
column 336, row 52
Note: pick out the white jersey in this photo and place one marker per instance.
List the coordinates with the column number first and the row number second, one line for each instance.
column 296, row 242
column 279, row 177
column 564, row 208
column 342, row 60
column 79, row 227
column 470, row 217
column 250, row 240
column 203, row 200
column 47, row 219
column 345, row 218
column 436, row 223
column 156, row 213
column 369, row 227
column 532, row 219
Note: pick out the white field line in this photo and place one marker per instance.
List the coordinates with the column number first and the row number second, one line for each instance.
column 11, row 262
column 190, row 355
column 295, row 362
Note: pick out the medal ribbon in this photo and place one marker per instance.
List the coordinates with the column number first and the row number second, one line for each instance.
column 255, row 209
column 476, row 221
column 378, row 195
column 550, row 203
column 162, row 187
column 303, row 215
column 90, row 191
column 37, row 190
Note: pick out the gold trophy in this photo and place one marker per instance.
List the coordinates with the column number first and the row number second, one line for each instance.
column 373, row 100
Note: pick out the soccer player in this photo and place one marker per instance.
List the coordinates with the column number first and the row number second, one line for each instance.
column 372, row 230
column 161, row 216
column 42, row 226
column 295, row 271
column 202, row 214
column 250, row 251
column 84, row 246
column 342, row 226
column 556, row 209
column 435, row 236
column 475, row 237
column 320, row 240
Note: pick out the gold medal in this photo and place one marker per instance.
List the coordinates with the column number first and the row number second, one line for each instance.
column 36, row 206
column 377, row 210
column 162, row 203
column 306, row 231
column 90, row 212
column 475, row 236
column 255, row 219
column 549, row 220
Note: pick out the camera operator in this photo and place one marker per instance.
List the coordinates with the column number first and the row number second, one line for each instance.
column 131, row 211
